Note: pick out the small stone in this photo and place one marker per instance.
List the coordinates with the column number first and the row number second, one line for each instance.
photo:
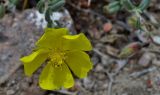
column 156, row 62
column 24, row 85
column 107, row 27
column 13, row 82
column 10, row 92
column 99, row 67
column 124, row 94
column 156, row 39
column 102, row 77
column 4, row 57
column 142, row 36
column 105, row 85
column 146, row 59
column 87, row 83
column 95, row 59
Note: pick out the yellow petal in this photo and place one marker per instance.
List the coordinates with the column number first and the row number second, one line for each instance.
column 53, row 78
column 79, row 62
column 76, row 42
column 33, row 61
column 52, row 38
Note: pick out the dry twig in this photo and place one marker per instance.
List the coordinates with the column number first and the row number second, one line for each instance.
column 140, row 73
column 111, row 81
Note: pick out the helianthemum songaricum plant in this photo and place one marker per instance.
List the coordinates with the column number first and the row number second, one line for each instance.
column 63, row 53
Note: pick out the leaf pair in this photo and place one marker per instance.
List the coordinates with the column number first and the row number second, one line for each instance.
column 141, row 7
column 127, row 4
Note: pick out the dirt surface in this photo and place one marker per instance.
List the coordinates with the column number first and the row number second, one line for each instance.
column 138, row 75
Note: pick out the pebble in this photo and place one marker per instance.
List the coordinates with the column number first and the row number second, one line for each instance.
column 124, row 94
column 25, row 85
column 10, row 92
column 156, row 62
column 146, row 59
column 107, row 27
column 87, row 83
column 156, row 39
column 99, row 67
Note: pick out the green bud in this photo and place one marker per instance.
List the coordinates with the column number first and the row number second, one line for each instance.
column 2, row 10
column 41, row 6
column 144, row 4
column 132, row 21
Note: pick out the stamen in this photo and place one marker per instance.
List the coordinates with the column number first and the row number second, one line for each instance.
column 57, row 58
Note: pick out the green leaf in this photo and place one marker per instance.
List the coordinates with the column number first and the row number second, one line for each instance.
column 56, row 4
column 129, row 5
column 14, row 2
column 2, row 10
column 48, row 17
column 138, row 23
column 41, row 6
column 144, row 4
column 113, row 7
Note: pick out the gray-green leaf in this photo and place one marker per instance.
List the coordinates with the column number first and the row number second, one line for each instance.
column 112, row 7
column 129, row 5
column 55, row 5
column 41, row 6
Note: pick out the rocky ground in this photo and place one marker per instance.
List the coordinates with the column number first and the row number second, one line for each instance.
column 138, row 75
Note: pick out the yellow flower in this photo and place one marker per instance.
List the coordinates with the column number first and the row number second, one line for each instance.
column 63, row 52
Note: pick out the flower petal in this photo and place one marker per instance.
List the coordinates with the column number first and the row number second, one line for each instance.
column 33, row 61
column 52, row 38
column 76, row 42
column 79, row 62
column 53, row 78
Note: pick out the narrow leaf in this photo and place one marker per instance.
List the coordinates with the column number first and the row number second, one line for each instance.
column 2, row 10
column 144, row 4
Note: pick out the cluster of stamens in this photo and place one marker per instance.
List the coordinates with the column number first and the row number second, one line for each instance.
column 57, row 58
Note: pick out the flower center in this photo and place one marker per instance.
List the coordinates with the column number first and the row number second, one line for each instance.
column 56, row 57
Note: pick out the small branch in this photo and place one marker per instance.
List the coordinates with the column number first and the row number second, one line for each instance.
column 152, row 50
column 110, row 88
column 143, row 72
column 110, row 83
column 100, row 53
column 124, row 25
column 123, row 64
column 88, row 11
